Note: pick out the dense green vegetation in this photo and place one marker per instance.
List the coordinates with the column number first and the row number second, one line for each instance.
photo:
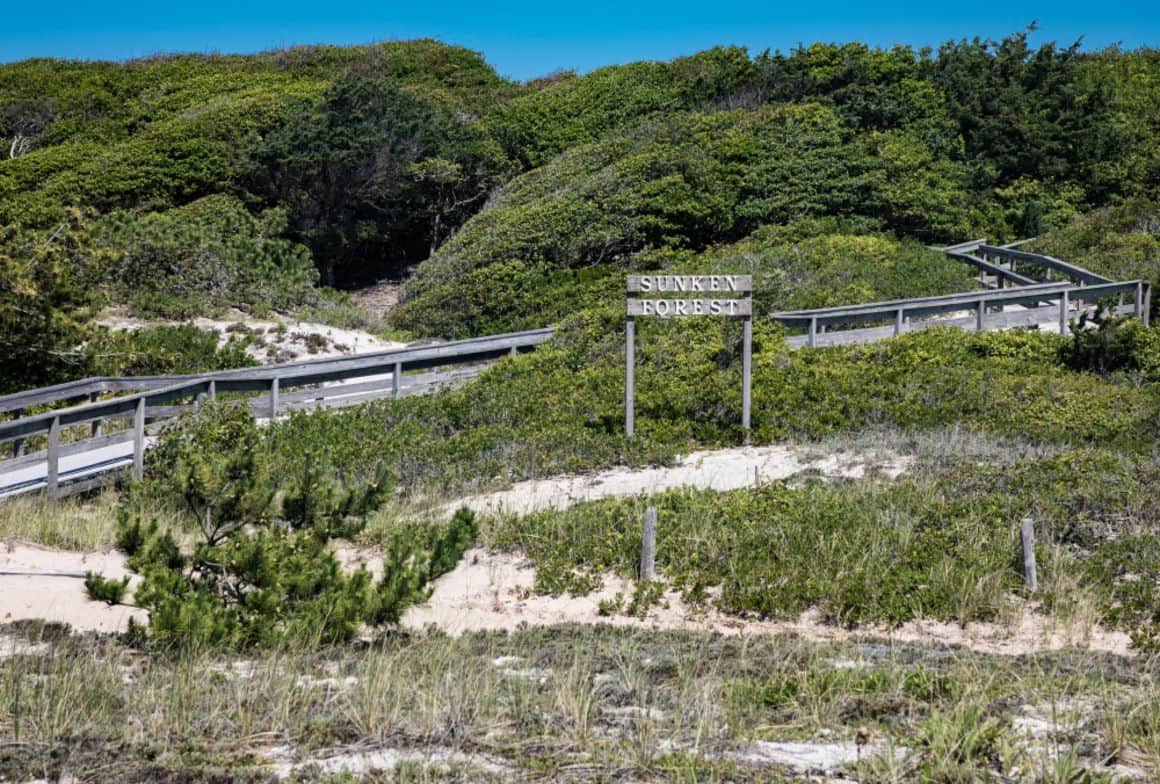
column 207, row 182
column 561, row 408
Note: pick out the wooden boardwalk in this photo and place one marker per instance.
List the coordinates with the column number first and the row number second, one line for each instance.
column 61, row 464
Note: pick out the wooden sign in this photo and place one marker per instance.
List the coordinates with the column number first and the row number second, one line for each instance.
column 681, row 284
column 676, row 308
column 669, row 308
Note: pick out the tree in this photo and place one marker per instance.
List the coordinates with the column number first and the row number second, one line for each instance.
column 254, row 575
column 351, row 171
column 46, row 299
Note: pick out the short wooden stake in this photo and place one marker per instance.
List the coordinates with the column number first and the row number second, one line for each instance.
column 1027, row 532
column 648, row 545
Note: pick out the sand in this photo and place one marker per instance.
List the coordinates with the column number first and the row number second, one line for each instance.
column 723, row 469
column 489, row 591
column 284, row 340
column 59, row 599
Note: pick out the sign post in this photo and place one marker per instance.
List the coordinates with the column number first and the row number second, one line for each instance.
column 718, row 303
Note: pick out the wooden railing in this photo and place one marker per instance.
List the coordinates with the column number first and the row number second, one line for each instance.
column 294, row 385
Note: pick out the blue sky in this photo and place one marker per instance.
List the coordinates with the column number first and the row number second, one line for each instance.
column 528, row 39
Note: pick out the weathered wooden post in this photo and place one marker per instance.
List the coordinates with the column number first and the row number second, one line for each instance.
column 273, row 398
column 95, row 428
column 397, row 380
column 18, row 443
column 629, row 376
column 1027, row 534
column 746, row 372
column 648, row 545
column 139, row 439
column 53, row 459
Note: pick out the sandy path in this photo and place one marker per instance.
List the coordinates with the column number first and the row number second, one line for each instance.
column 723, row 469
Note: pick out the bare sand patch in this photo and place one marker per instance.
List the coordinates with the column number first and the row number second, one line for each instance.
column 492, row 591
column 721, row 469
column 59, row 599
column 361, row 761
column 285, row 340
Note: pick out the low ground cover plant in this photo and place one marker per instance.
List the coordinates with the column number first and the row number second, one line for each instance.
column 536, row 704
column 941, row 543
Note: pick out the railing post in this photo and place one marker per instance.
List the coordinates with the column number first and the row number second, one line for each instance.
column 1139, row 303
column 53, row 459
column 980, row 315
column 18, row 444
column 1063, row 308
column 899, row 320
column 397, row 380
column 1146, row 315
column 212, row 389
column 273, row 398
column 813, row 338
column 629, row 377
column 95, row 428
column 139, row 440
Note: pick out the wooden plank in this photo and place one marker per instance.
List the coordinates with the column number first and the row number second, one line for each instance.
column 66, row 450
column 676, row 308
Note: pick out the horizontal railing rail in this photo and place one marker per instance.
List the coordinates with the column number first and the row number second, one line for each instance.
column 901, row 311
column 169, row 395
column 1048, row 262
column 312, row 370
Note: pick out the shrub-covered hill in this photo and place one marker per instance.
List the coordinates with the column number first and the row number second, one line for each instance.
column 186, row 184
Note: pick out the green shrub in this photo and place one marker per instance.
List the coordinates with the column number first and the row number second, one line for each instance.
column 255, row 577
